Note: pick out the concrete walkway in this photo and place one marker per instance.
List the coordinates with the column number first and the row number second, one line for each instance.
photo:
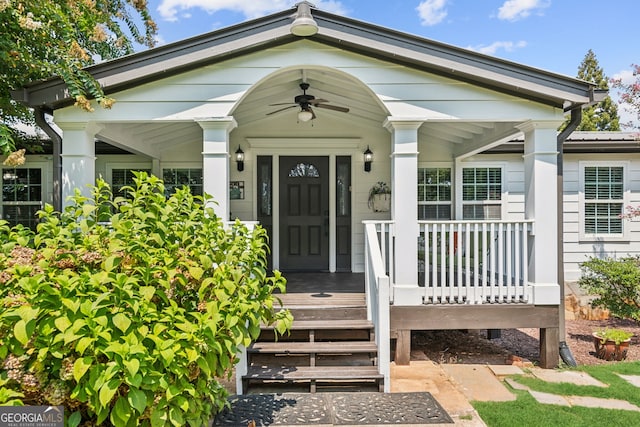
column 455, row 385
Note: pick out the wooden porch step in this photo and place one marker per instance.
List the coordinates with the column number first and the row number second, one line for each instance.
column 302, row 373
column 337, row 347
column 328, row 324
column 326, row 313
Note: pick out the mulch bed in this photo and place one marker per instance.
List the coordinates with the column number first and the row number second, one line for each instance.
column 474, row 347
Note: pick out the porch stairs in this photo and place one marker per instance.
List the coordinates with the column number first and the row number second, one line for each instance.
column 331, row 347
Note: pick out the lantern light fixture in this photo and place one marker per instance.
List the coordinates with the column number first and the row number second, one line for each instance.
column 368, row 159
column 240, row 159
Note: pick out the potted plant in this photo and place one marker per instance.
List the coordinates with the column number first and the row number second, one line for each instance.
column 612, row 344
column 380, row 197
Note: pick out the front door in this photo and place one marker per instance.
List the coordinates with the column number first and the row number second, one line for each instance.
column 304, row 213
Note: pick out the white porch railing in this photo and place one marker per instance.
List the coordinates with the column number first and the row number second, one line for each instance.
column 474, row 262
column 377, row 290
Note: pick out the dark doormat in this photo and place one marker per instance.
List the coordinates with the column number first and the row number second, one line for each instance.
column 340, row 409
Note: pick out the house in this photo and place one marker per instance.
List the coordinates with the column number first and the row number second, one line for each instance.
column 273, row 117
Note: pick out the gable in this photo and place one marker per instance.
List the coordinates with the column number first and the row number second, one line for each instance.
column 371, row 87
column 334, row 31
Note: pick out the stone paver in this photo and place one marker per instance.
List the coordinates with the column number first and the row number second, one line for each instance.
column 549, row 399
column 516, row 385
column 479, row 383
column 504, row 370
column 572, row 377
column 632, row 379
column 425, row 375
column 596, row 402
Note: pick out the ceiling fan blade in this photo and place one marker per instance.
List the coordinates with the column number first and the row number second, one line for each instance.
column 333, row 107
column 282, row 103
column 317, row 101
column 282, row 109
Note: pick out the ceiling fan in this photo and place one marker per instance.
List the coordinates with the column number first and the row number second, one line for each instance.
column 306, row 102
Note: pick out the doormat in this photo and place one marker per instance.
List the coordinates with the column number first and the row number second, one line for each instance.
column 360, row 408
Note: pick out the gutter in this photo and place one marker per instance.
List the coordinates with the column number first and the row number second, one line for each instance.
column 56, row 140
column 576, row 118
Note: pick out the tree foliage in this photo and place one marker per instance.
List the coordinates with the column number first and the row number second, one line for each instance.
column 44, row 38
column 604, row 115
column 630, row 95
column 615, row 283
column 131, row 323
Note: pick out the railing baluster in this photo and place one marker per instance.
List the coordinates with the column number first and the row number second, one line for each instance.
column 437, row 290
column 476, row 264
column 462, row 292
column 509, row 261
column 500, row 261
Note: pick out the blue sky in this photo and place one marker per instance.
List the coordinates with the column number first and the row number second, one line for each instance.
column 553, row 35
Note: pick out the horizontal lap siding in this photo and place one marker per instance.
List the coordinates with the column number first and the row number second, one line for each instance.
column 577, row 250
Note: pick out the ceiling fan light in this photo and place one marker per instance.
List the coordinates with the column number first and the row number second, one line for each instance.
column 305, row 115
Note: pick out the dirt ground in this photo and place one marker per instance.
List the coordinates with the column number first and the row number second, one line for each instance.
column 474, row 347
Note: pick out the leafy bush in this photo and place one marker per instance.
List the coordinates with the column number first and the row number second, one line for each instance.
column 615, row 283
column 131, row 322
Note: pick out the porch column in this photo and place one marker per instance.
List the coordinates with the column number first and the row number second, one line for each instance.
column 541, row 203
column 404, row 210
column 78, row 158
column 215, row 162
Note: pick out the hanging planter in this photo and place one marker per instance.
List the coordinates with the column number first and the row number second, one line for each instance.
column 380, row 197
column 612, row 344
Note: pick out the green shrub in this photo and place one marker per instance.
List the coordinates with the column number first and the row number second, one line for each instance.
column 615, row 283
column 131, row 322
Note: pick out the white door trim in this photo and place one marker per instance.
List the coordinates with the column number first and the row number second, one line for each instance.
column 291, row 147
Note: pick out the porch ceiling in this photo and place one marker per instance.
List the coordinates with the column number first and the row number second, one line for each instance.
column 323, row 84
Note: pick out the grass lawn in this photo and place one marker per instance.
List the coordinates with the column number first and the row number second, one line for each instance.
column 526, row 411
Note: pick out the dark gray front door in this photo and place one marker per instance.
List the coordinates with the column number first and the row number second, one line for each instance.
column 304, row 213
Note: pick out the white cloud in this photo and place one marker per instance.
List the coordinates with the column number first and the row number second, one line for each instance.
column 496, row 46
column 169, row 9
column 432, row 12
column 513, row 10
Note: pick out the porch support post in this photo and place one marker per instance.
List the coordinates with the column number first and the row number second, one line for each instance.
column 215, row 162
column 78, row 158
column 540, row 167
column 404, row 211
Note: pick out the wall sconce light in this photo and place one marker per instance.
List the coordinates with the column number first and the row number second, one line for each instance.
column 368, row 158
column 240, row 159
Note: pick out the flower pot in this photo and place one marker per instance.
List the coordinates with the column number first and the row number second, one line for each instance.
column 381, row 202
column 609, row 350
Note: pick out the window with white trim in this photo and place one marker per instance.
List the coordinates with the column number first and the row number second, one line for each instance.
column 22, row 195
column 434, row 193
column 604, row 190
column 481, row 193
column 122, row 177
column 180, row 177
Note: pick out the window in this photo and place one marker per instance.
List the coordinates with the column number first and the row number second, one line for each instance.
column 177, row 178
column 21, row 195
column 482, row 193
column 123, row 177
column 603, row 199
column 304, row 170
column 434, row 193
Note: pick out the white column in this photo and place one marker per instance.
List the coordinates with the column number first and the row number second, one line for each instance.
column 215, row 161
column 404, row 208
column 78, row 158
column 541, row 204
